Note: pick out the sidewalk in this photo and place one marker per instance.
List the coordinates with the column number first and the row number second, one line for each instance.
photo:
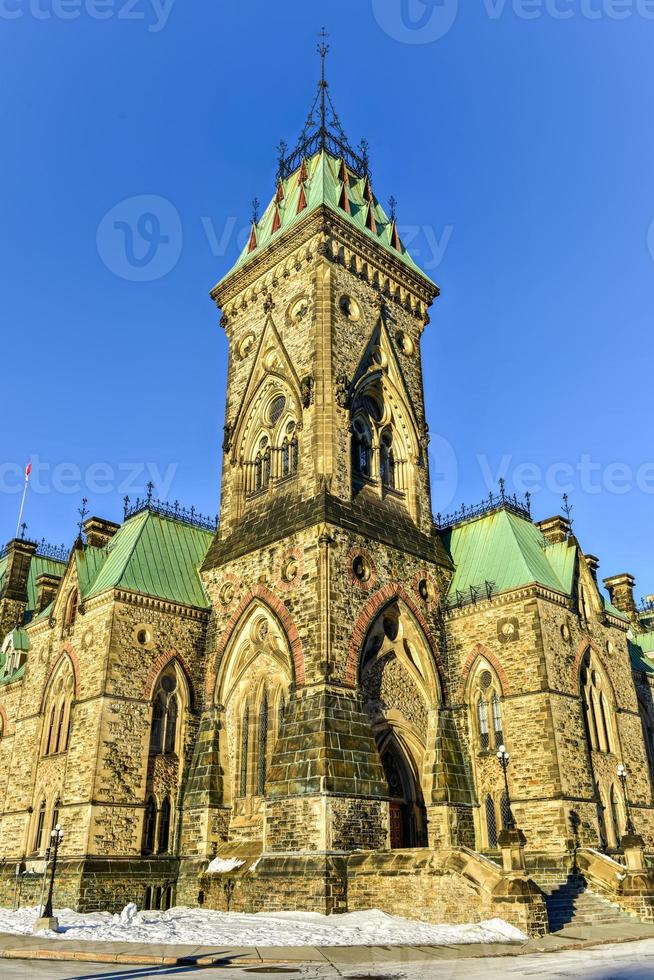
column 37, row 947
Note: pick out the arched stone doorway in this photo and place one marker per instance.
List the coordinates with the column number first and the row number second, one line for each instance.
column 407, row 811
column 401, row 693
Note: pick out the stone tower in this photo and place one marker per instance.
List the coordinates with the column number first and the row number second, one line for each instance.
column 322, row 731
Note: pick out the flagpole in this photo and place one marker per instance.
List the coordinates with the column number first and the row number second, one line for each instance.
column 28, row 470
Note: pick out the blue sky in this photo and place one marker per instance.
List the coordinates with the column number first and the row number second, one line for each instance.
column 518, row 147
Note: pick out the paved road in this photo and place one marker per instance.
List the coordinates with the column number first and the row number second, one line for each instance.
column 628, row 961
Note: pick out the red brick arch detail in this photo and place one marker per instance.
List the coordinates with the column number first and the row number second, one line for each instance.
column 479, row 650
column 276, row 606
column 159, row 664
column 66, row 651
column 370, row 610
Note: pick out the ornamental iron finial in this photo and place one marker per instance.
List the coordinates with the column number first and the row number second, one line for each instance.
column 323, row 49
column 365, row 159
column 392, row 206
column 281, row 158
column 83, row 514
column 256, row 203
column 322, row 129
column 567, row 509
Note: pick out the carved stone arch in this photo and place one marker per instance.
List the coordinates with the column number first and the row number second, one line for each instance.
column 284, row 372
column 256, row 669
column 66, row 653
column 367, row 616
column 280, row 611
column 585, row 646
column 4, row 722
column 157, row 669
column 479, row 651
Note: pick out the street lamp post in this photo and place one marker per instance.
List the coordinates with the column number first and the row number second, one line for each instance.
column 56, row 836
column 622, row 776
column 504, row 758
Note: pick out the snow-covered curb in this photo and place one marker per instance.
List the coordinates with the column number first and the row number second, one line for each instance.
column 185, row 926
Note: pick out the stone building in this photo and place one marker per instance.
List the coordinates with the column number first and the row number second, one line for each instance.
column 312, row 694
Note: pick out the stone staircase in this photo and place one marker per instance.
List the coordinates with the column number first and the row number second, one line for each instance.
column 573, row 904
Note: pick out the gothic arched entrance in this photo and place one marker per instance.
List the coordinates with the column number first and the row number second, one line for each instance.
column 408, row 815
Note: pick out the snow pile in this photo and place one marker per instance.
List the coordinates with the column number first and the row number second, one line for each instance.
column 195, row 927
column 222, row 865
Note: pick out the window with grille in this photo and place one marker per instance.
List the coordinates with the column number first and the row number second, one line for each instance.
column 262, row 746
column 497, row 721
column 277, row 407
column 245, row 724
column 149, row 825
column 482, row 718
column 491, row 822
column 164, row 826
column 38, row 837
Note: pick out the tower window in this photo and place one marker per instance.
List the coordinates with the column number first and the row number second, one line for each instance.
column 482, row 718
column 277, row 407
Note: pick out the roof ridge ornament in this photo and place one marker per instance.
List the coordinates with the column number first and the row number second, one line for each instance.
column 322, row 129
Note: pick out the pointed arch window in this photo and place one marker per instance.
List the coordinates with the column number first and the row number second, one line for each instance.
column 164, row 827
column 597, row 701
column 497, row 720
column 615, row 816
column 164, row 730
column 262, row 748
column 245, row 734
column 149, row 825
column 171, row 724
column 50, row 740
column 387, row 460
column 485, row 702
column 40, row 826
column 491, row 822
column 58, row 710
column 258, row 473
column 55, row 814
column 70, row 612
column 482, row 719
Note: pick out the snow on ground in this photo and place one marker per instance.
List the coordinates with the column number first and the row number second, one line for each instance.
column 201, row 927
column 221, row 865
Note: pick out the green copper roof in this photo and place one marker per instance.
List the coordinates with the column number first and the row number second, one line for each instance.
column 509, row 551
column 637, row 653
column 645, row 641
column 156, row 556
column 325, row 180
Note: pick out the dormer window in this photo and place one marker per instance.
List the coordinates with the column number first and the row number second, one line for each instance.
column 70, row 612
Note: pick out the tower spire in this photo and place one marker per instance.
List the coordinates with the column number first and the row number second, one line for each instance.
column 322, row 129
column 323, row 49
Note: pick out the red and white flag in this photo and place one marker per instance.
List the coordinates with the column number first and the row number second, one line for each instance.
column 28, row 470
